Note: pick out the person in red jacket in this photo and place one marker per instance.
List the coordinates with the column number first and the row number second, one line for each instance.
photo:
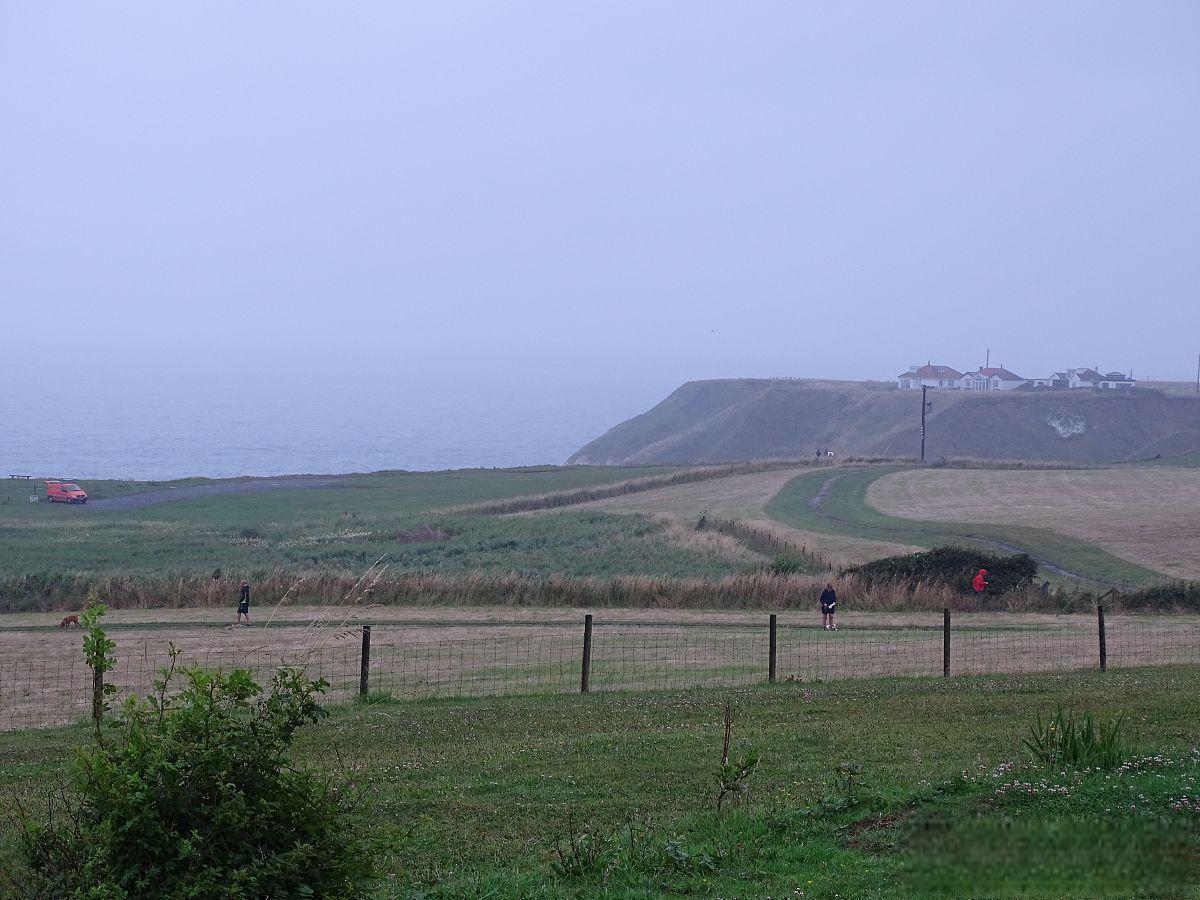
column 980, row 583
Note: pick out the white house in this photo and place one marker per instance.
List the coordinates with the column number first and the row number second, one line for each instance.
column 940, row 378
column 1116, row 381
column 992, row 378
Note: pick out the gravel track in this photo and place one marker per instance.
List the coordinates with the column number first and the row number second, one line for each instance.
column 215, row 489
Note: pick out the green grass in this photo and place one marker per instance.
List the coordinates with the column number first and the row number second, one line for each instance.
column 573, row 543
column 392, row 492
column 467, row 798
column 846, row 512
column 342, row 529
column 1185, row 461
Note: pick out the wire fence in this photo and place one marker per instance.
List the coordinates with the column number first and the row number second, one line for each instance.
column 44, row 681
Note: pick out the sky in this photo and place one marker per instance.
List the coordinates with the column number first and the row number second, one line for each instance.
column 622, row 194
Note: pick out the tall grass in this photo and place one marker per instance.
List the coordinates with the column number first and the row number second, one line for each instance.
column 750, row 590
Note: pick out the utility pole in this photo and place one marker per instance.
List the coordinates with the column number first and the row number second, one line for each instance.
column 924, row 406
column 1198, row 375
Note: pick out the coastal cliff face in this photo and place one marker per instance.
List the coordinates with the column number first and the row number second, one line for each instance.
column 739, row 419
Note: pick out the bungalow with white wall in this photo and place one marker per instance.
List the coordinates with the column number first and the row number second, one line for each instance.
column 992, row 378
column 938, row 378
column 1091, row 378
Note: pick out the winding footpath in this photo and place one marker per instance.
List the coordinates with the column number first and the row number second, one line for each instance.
column 816, row 504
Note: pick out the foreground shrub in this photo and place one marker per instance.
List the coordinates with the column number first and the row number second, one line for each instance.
column 192, row 796
column 953, row 567
column 1065, row 742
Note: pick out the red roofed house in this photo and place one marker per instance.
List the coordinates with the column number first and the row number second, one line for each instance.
column 937, row 377
column 994, row 378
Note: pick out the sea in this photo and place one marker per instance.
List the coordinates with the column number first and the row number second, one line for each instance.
column 149, row 428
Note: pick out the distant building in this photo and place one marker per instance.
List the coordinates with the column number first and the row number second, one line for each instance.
column 1090, row 378
column 941, row 378
column 1057, row 381
column 998, row 378
column 992, row 378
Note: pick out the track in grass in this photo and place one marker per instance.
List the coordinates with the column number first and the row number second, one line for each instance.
column 1150, row 516
column 838, row 503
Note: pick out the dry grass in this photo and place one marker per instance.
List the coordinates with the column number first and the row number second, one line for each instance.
column 731, row 497
column 1150, row 517
column 587, row 495
column 683, row 533
column 420, row 652
column 744, row 497
column 845, row 551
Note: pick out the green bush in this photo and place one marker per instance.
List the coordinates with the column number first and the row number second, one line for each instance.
column 955, row 567
column 192, row 796
column 790, row 563
column 1172, row 594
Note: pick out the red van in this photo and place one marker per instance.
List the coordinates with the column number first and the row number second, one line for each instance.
column 65, row 492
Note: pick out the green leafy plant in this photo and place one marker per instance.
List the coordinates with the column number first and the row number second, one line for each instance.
column 1083, row 743
column 193, row 796
column 98, row 652
column 845, row 785
column 733, row 775
column 580, row 852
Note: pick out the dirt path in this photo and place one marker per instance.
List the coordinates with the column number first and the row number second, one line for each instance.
column 217, row 488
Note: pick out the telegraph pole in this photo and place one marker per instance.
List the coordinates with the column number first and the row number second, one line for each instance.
column 924, row 405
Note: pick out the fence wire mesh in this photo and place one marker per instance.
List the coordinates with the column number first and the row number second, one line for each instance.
column 44, row 681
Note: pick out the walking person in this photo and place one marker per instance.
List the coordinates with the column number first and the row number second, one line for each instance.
column 980, row 583
column 829, row 608
column 244, row 602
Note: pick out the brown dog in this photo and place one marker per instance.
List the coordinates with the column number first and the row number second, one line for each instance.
column 69, row 620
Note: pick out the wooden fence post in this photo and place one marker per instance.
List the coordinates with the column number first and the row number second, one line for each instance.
column 1103, row 647
column 586, row 672
column 364, row 667
column 772, row 649
column 946, row 641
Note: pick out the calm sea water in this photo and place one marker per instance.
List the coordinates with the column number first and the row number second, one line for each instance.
column 137, row 428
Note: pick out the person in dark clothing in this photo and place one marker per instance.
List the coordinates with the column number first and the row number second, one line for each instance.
column 244, row 603
column 829, row 608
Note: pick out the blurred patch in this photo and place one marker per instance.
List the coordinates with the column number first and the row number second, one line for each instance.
column 997, row 856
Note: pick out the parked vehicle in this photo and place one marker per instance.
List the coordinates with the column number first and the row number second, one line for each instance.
column 65, row 492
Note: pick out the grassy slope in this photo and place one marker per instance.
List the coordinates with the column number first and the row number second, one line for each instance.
column 847, row 512
column 465, row 798
column 737, row 419
column 341, row 529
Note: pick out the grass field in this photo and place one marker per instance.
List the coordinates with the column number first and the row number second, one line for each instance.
column 446, row 651
column 345, row 529
column 745, row 498
column 1150, row 517
column 467, row 798
column 844, row 509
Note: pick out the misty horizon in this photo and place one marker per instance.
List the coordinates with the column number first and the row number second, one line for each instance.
column 266, row 212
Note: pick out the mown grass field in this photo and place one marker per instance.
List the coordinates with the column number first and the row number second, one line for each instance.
column 1149, row 516
column 468, row 798
column 845, row 509
column 446, row 652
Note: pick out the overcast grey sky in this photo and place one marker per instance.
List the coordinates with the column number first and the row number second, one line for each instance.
column 604, row 190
